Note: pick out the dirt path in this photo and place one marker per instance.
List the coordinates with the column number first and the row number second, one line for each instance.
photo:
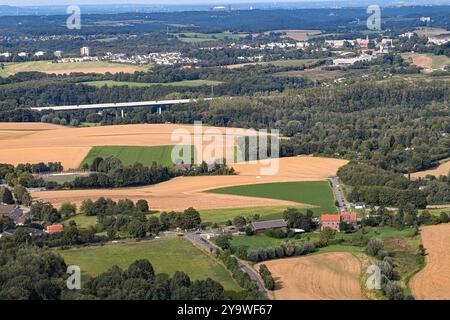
column 433, row 282
column 327, row 276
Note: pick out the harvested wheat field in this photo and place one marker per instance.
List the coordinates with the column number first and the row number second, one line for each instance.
column 326, row 276
column 183, row 192
column 433, row 282
column 301, row 35
column 25, row 142
column 442, row 170
column 98, row 70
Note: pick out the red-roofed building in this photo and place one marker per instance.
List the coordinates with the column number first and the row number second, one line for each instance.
column 333, row 221
column 55, row 228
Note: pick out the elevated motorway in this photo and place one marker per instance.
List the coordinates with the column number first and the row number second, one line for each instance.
column 121, row 105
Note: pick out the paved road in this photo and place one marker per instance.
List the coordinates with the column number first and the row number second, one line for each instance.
column 338, row 194
column 210, row 247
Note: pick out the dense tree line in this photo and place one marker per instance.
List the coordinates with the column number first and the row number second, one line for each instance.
column 287, row 249
column 376, row 186
column 406, row 216
column 31, row 273
column 130, row 218
column 391, row 287
column 266, row 275
column 243, row 279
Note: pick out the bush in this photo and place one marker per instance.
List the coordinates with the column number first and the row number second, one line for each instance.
column 382, row 254
column 275, row 233
column 262, row 254
column 268, row 280
column 253, row 256
column 271, row 253
column 374, row 246
column 393, row 290
column 241, row 252
column 279, row 252
column 223, row 241
column 249, row 231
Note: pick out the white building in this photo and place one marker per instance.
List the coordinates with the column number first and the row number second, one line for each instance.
column 85, row 52
column 39, row 53
column 338, row 43
column 439, row 40
column 5, row 54
column 351, row 61
column 408, row 35
column 58, row 53
column 22, row 54
column 387, row 42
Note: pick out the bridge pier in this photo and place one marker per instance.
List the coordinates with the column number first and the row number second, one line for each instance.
column 122, row 113
column 159, row 110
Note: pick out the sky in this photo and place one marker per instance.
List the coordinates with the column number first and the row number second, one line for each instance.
column 178, row 2
column 80, row 2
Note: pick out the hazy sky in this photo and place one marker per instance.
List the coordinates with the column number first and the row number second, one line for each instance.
column 78, row 2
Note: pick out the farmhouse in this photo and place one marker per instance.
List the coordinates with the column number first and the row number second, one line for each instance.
column 334, row 221
column 261, row 226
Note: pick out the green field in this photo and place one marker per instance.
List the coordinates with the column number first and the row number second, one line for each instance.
column 82, row 221
column 166, row 256
column 314, row 193
column 262, row 241
column 197, row 37
column 255, row 242
column 186, row 83
column 440, row 61
column 130, row 155
column 220, row 216
column 48, row 66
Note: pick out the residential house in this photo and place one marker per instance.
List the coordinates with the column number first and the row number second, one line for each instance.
column 15, row 213
column 39, row 53
column 58, row 54
column 19, row 216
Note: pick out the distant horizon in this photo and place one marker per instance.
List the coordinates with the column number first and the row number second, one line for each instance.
column 44, row 3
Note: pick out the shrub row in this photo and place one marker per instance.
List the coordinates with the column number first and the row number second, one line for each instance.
column 287, row 249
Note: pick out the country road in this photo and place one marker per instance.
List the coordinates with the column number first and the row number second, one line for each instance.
column 210, row 247
column 338, row 194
